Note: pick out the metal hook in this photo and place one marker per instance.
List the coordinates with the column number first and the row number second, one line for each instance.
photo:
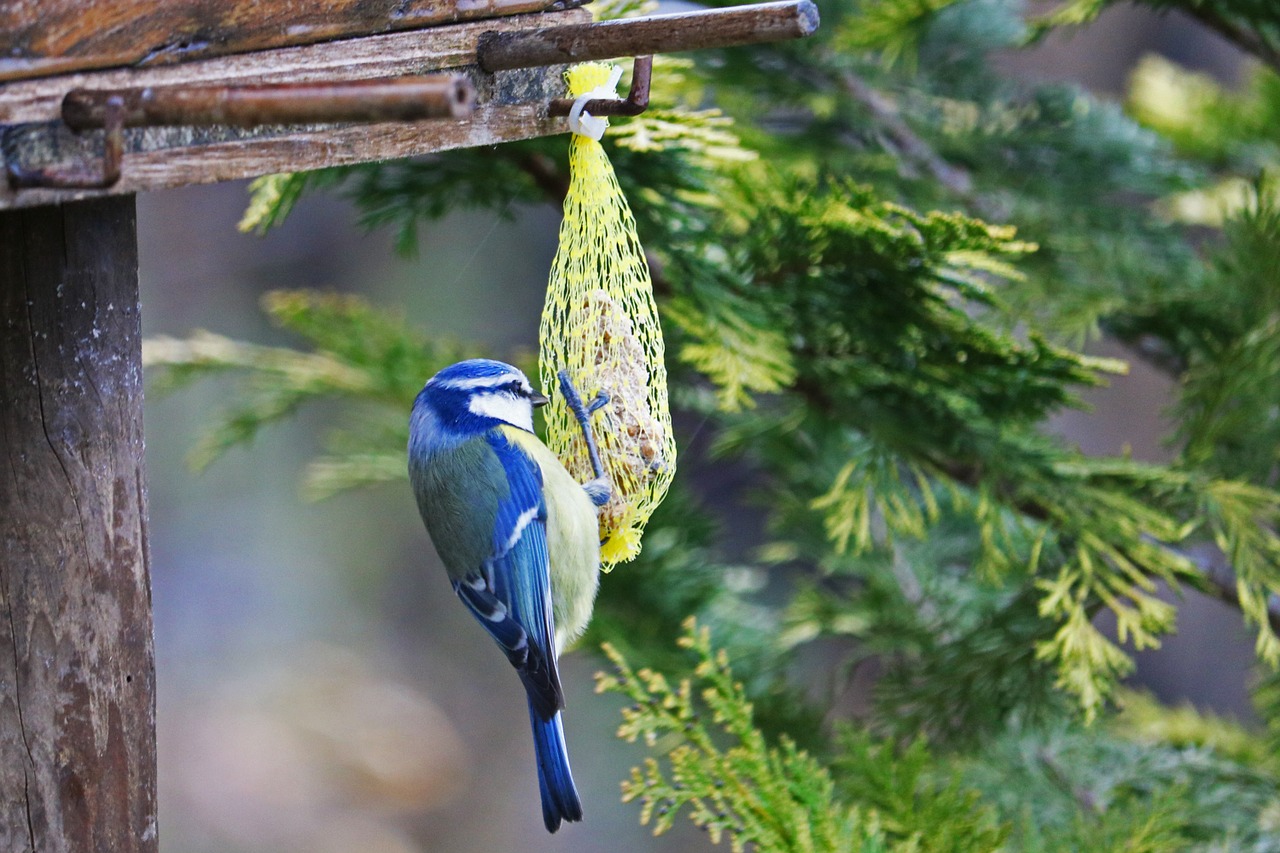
column 760, row 22
column 79, row 177
column 388, row 99
column 382, row 99
column 636, row 102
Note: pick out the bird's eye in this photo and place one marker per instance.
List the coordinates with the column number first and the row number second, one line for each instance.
column 515, row 388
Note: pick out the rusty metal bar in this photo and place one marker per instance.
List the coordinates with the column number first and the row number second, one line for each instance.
column 762, row 22
column 636, row 102
column 388, row 99
column 81, row 177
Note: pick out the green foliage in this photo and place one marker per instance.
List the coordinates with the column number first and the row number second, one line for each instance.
column 1143, row 719
column 1204, row 119
column 400, row 193
column 1252, row 24
column 680, row 573
column 1243, row 521
column 356, row 354
column 1066, row 789
column 957, row 654
column 740, row 359
column 895, row 336
column 1266, row 700
column 272, row 197
column 892, row 27
column 1231, row 388
column 777, row 796
column 870, row 485
column 915, row 811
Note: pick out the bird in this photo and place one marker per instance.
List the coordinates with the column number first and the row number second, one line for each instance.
column 518, row 536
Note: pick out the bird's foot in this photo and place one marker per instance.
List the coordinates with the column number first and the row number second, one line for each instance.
column 601, row 400
column 599, row 490
column 601, row 487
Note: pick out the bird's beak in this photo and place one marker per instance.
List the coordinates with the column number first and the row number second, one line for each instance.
column 538, row 400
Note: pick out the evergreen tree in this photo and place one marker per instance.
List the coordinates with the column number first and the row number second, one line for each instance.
column 877, row 260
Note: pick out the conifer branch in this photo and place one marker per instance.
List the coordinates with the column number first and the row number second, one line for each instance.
column 542, row 169
column 1083, row 796
column 1213, row 573
column 1221, row 583
column 913, row 148
column 1219, row 578
column 1249, row 40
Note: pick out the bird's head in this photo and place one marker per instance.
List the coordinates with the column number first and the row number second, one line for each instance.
column 477, row 394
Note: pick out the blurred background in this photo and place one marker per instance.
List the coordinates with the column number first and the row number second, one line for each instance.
column 320, row 689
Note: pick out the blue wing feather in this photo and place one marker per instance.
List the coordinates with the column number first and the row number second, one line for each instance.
column 510, row 594
column 560, row 800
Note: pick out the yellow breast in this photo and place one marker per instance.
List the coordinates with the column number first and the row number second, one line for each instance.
column 573, row 539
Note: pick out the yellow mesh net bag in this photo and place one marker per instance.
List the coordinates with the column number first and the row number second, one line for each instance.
column 601, row 324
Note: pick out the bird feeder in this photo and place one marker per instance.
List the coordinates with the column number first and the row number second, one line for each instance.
column 99, row 101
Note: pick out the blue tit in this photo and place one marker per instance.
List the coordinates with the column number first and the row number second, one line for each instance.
column 517, row 535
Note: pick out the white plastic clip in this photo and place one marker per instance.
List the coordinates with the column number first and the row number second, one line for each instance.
column 584, row 123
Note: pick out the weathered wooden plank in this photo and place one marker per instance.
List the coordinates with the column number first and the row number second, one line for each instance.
column 315, row 147
column 391, row 55
column 77, row 674
column 44, row 37
column 510, row 105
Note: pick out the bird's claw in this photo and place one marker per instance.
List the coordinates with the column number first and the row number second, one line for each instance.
column 599, row 490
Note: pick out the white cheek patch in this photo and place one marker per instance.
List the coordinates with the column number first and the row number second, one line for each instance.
column 476, row 382
column 504, row 407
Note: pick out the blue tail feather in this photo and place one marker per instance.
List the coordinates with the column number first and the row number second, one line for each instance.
column 555, row 781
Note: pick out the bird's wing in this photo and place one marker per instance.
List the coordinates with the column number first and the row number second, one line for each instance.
column 510, row 591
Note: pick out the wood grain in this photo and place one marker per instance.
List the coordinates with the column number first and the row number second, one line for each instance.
column 389, row 55
column 44, row 37
column 77, row 675
column 510, row 105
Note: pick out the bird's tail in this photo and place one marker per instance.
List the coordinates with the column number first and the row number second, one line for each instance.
column 559, row 796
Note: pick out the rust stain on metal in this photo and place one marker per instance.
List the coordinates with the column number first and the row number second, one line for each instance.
column 395, row 99
column 83, row 175
column 636, row 101
column 740, row 25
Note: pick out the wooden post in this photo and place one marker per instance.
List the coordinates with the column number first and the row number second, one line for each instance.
column 77, row 671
